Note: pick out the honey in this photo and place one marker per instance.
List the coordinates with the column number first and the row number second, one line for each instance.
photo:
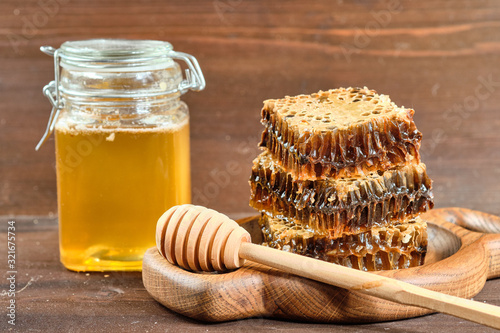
column 113, row 185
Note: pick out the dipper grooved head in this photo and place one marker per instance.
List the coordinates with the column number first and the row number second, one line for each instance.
column 200, row 239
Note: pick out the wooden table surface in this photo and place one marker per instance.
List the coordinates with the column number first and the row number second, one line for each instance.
column 441, row 58
column 51, row 298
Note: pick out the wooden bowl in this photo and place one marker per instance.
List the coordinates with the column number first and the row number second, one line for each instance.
column 464, row 251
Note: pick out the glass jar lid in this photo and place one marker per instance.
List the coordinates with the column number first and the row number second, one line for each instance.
column 118, row 68
column 115, row 55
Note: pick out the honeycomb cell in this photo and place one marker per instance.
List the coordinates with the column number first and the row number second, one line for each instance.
column 342, row 205
column 340, row 179
column 380, row 248
column 339, row 132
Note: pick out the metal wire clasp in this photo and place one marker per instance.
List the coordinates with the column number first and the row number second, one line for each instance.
column 194, row 77
column 51, row 91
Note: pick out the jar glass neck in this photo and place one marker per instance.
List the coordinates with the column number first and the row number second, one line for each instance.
column 132, row 84
column 125, row 113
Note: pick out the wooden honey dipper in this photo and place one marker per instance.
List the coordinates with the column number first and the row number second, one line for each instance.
column 201, row 239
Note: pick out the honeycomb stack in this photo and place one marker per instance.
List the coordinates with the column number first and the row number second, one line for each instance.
column 340, row 179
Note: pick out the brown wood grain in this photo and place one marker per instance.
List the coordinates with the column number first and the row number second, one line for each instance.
column 256, row 289
column 434, row 56
column 52, row 298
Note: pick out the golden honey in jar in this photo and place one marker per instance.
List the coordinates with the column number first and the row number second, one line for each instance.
column 122, row 148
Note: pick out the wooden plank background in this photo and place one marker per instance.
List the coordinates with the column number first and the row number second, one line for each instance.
column 441, row 58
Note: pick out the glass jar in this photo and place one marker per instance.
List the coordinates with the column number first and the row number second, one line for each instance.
column 122, row 146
